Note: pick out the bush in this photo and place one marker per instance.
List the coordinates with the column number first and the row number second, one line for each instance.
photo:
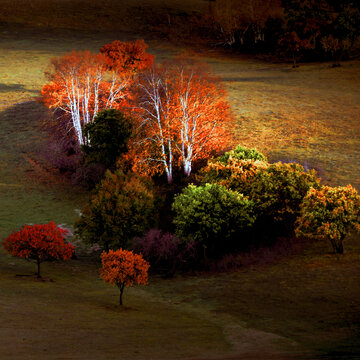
column 122, row 207
column 213, row 217
column 242, row 153
column 330, row 214
column 165, row 251
column 277, row 190
column 108, row 137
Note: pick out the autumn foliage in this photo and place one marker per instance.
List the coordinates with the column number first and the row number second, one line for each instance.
column 123, row 268
column 182, row 116
column 82, row 83
column 39, row 242
column 330, row 213
column 127, row 57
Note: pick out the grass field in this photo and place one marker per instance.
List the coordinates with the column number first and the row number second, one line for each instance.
column 302, row 304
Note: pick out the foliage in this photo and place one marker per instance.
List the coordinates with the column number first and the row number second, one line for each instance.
column 291, row 44
column 123, row 268
column 277, row 190
column 243, row 22
column 235, row 174
column 182, row 116
column 212, row 216
column 39, row 242
column 127, row 57
column 331, row 26
column 329, row 213
column 165, row 250
column 80, row 84
column 242, row 153
column 108, row 137
column 122, row 207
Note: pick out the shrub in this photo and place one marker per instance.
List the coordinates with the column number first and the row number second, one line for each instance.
column 108, row 136
column 39, row 242
column 242, row 153
column 213, row 217
column 123, row 268
column 329, row 213
column 277, row 190
column 122, row 207
column 165, row 251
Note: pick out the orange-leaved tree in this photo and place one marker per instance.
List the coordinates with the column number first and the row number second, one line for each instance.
column 182, row 115
column 123, row 268
column 329, row 213
column 82, row 83
column 127, row 57
column 39, row 242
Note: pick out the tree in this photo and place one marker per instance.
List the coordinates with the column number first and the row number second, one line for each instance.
column 123, row 268
column 108, row 137
column 329, row 213
column 127, row 57
column 39, row 242
column 182, row 117
column 277, row 190
column 343, row 32
column 242, row 153
column 213, row 217
column 81, row 84
column 306, row 22
column 242, row 20
column 122, row 207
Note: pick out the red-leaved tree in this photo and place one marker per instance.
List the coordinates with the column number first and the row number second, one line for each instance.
column 39, row 242
column 82, row 83
column 123, row 268
column 182, row 114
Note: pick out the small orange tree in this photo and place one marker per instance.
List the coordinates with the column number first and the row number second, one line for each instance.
column 123, row 268
column 40, row 242
column 330, row 214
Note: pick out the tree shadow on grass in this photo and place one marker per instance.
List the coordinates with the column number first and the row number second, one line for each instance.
column 15, row 87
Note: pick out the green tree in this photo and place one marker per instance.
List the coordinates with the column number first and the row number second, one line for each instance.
column 212, row 216
column 329, row 213
column 242, row 153
column 276, row 190
column 108, row 137
column 123, row 207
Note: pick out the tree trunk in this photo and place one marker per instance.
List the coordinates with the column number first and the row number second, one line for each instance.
column 38, row 268
column 338, row 245
column 121, row 288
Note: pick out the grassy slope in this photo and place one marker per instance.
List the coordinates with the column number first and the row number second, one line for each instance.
column 310, row 114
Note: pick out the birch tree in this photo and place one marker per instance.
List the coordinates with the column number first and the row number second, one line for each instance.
column 182, row 114
column 80, row 85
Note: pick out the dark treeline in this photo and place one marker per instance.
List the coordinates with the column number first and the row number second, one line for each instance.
column 296, row 29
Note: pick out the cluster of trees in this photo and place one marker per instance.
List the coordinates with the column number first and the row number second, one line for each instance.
column 299, row 28
column 141, row 120
column 173, row 113
column 240, row 201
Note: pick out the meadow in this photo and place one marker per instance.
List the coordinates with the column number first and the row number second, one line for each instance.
column 295, row 301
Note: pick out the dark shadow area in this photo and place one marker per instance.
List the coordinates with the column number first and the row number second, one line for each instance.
column 15, row 87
